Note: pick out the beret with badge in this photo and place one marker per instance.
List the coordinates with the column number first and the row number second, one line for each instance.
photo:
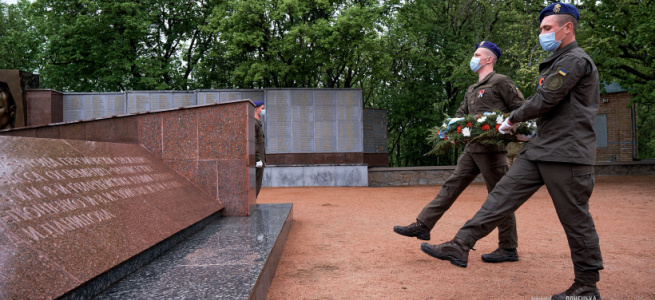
column 491, row 46
column 559, row 9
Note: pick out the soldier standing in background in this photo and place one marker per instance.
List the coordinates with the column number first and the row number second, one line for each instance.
column 561, row 155
column 260, row 146
column 493, row 91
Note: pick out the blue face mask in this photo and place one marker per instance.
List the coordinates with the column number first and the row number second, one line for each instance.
column 475, row 64
column 263, row 112
column 548, row 42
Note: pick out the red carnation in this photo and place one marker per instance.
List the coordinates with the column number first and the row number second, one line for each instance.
column 459, row 129
column 497, row 125
column 485, row 127
column 469, row 124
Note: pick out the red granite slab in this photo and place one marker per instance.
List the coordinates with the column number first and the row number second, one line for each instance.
column 49, row 132
column 72, row 210
column 73, row 131
column 180, row 135
column 150, row 132
column 197, row 136
column 224, row 130
column 123, row 130
column 234, row 189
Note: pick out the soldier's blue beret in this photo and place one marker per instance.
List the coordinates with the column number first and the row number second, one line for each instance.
column 489, row 45
column 258, row 103
column 559, row 9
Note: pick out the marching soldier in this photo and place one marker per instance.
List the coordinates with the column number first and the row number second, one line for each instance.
column 561, row 155
column 493, row 91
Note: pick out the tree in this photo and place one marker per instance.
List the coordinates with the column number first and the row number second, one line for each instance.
column 103, row 45
column 295, row 43
column 621, row 40
column 20, row 43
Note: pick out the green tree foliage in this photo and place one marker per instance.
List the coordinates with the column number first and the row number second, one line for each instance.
column 621, row 40
column 105, row 45
column 20, row 43
column 290, row 43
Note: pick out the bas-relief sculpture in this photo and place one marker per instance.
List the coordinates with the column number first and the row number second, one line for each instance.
column 72, row 210
column 7, row 107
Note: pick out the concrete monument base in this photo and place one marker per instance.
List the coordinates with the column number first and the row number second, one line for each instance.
column 318, row 175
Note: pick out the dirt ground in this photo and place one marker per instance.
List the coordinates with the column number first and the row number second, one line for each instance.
column 342, row 246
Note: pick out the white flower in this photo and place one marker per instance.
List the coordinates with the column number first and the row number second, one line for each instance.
column 499, row 119
column 466, row 131
column 482, row 119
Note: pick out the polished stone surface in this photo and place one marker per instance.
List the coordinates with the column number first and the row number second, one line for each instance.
column 231, row 258
column 72, row 210
column 203, row 143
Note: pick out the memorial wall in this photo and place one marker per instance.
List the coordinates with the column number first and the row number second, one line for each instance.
column 303, row 126
column 73, row 210
column 313, row 120
column 87, row 106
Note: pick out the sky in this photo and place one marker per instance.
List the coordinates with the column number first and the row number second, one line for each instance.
column 9, row 1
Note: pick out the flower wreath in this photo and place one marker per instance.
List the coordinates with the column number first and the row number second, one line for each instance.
column 481, row 128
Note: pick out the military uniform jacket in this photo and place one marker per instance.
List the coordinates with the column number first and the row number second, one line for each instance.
column 260, row 147
column 565, row 106
column 494, row 92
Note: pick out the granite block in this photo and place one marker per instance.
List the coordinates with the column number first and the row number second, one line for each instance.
column 19, row 132
column 123, row 130
column 315, row 158
column 213, row 133
column 150, row 133
column 49, row 132
column 74, row 131
column 85, row 207
column 233, row 184
column 231, row 258
column 208, row 177
column 180, row 135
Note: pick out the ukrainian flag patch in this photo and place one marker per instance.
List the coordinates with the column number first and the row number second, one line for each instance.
column 563, row 72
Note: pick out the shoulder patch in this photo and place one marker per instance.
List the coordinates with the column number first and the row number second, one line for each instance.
column 556, row 80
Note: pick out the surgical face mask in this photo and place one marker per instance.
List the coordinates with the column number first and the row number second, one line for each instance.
column 475, row 64
column 548, row 41
column 263, row 112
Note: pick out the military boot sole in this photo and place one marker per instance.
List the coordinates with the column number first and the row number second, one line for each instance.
column 494, row 260
column 453, row 260
column 419, row 235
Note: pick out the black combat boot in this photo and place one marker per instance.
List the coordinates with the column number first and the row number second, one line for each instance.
column 501, row 255
column 456, row 251
column 579, row 291
column 416, row 229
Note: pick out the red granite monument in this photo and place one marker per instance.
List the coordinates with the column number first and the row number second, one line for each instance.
column 72, row 210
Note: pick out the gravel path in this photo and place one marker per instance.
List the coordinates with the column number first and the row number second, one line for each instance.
column 342, row 246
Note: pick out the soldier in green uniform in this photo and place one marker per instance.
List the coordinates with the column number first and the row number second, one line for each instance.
column 493, row 91
column 561, row 155
column 260, row 147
